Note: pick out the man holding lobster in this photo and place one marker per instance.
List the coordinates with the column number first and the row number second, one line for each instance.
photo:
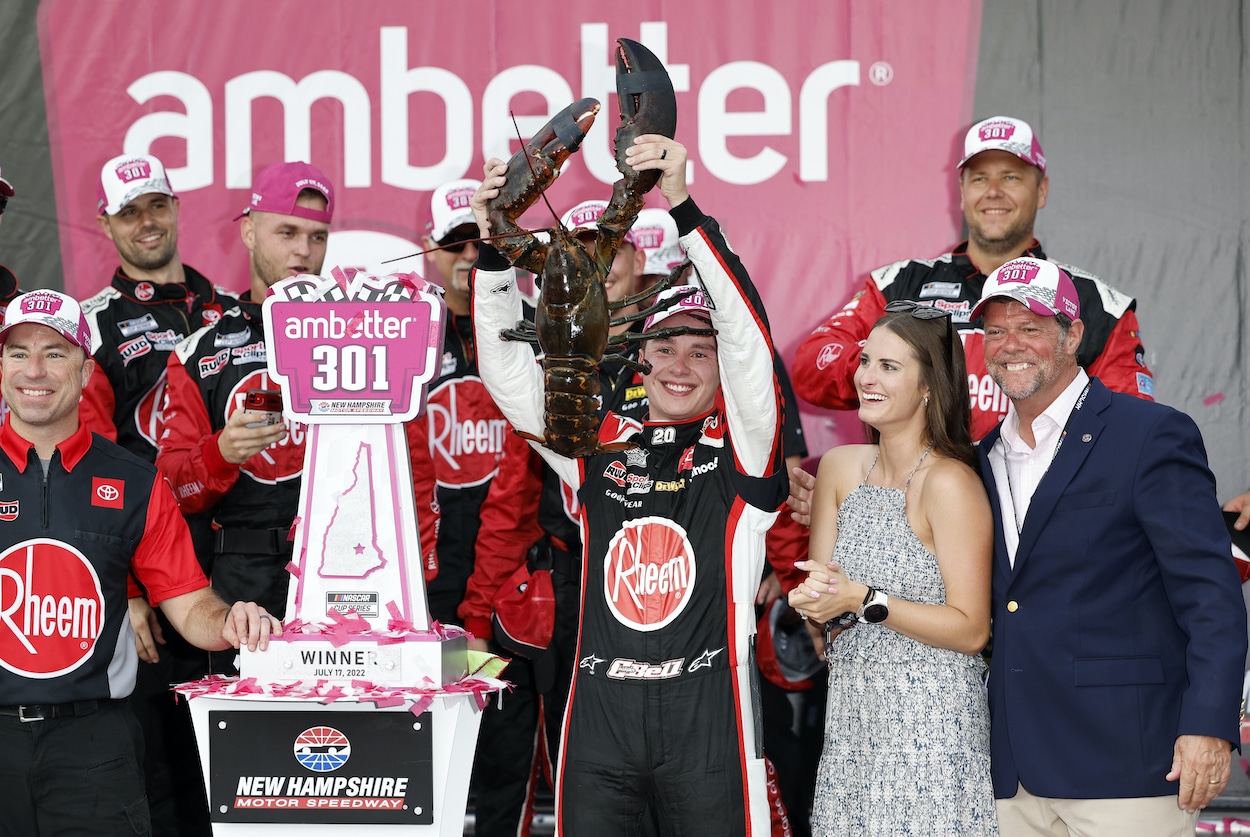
column 674, row 511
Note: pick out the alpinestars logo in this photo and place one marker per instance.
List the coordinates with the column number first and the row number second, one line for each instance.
column 51, row 609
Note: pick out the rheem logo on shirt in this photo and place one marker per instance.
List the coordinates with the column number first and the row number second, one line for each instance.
column 649, row 573
column 51, row 609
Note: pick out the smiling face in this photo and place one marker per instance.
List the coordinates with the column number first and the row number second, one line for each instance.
column 685, row 376
column 42, row 376
column 1030, row 357
column 1000, row 195
column 145, row 232
column 284, row 245
column 888, row 381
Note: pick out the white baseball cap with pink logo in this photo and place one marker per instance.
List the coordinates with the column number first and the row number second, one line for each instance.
column 696, row 304
column 1041, row 286
column 1004, row 133
column 449, row 208
column 585, row 218
column 53, row 309
column 655, row 233
column 127, row 177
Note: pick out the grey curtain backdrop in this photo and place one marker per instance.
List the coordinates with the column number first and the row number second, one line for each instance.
column 1141, row 107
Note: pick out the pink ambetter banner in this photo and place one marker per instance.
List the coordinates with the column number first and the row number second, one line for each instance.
column 823, row 136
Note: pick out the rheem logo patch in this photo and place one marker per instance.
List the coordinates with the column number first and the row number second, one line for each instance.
column 649, row 573
column 51, row 609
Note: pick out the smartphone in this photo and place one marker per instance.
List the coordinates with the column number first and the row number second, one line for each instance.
column 266, row 402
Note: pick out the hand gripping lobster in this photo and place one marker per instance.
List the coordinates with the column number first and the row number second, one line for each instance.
column 573, row 321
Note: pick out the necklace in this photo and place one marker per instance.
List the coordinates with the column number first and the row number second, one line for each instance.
column 897, row 487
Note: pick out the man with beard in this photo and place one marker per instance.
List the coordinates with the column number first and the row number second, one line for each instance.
column 152, row 302
column 1119, row 625
column 1002, row 185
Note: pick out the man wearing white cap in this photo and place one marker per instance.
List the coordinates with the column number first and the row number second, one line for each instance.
column 152, row 302
column 1002, row 185
column 80, row 515
column 1119, row 625
column 661, row 704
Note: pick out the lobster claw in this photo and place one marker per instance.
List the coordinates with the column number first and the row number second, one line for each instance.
column 530, row 171
column 644, row 92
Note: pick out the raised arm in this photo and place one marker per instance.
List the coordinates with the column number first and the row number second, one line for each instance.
column 743, row 342
column 508, row 369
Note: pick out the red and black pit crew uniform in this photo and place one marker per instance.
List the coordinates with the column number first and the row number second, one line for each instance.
column 69, row 537
column 825, row 363
column 663, row 705
column 134, row 328
column 253, row 504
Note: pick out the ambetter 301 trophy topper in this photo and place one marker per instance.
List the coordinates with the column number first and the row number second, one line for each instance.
column 342, row 346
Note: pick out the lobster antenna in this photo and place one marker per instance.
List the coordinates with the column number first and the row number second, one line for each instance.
column 530, row 164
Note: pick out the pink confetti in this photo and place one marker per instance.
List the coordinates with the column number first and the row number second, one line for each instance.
column 420, row 705
column 290, row 535
column 293, row 569
column 387, row 701
column 1212, row 400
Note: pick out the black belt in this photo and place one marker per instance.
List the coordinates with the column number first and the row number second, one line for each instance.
column 50, row 711
column 253, row 541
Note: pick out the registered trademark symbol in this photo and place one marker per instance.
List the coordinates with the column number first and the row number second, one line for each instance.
column 881, row 73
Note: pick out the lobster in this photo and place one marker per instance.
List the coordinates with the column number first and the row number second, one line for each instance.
column 573, row 317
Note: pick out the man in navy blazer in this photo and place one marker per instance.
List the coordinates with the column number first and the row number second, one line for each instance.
column 1119, row 625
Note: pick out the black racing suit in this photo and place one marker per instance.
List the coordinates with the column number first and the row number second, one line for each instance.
column 663, row 703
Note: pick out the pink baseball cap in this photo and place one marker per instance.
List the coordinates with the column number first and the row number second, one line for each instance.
column 449, row 208
column 127, row 177
column 6, row 188
column 277, row 187
column 585, row 218
column 1004, row 133
column 1042, row 286
column 655, row 233
column 695, row 304
column 52, row 309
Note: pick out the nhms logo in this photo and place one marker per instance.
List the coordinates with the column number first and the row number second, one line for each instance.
column 649, row 573
column 51, row 609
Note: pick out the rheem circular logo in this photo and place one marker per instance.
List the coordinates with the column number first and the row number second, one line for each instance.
column 51, row 608
column 649, row 573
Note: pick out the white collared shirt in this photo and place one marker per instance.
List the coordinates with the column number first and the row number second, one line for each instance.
column 1019, row 468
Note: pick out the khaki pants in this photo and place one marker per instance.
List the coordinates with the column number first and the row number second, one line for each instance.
column 1026, row 815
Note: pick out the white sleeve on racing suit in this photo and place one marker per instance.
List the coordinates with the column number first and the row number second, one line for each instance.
column 744, row 349
column 508, row 368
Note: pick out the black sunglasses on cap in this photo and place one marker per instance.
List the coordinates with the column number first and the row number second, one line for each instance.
column 927, row 312
column 458, row 239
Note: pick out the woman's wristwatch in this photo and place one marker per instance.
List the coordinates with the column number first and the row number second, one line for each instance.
column 876, row 607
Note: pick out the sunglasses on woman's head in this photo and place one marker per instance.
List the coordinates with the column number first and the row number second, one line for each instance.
column 927, row 312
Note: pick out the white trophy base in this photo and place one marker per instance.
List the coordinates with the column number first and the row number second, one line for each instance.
column 423, row 658
column 453, row 719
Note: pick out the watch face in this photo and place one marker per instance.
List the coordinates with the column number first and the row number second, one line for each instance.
column 876, row 613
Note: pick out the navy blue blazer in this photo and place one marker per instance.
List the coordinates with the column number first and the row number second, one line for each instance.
column 1122, row 624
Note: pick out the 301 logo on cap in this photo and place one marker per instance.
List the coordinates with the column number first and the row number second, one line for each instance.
column 51, row 608
column 41, row 303
column 459, row 198
column 1018, row 271
column 135, row 169
column 996, row 130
